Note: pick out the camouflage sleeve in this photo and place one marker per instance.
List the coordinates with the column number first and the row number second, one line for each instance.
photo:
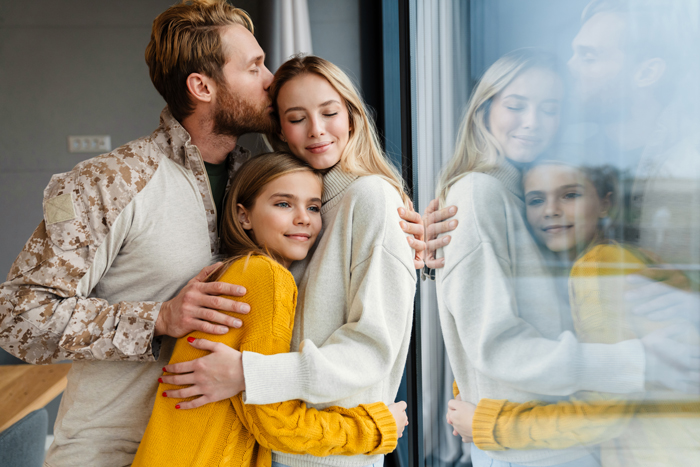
column 45, row 314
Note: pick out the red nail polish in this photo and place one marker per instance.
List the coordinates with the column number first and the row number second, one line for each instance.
column 160, row 380
column 164, row 370
column 190, row 339
column 177, row 406
column 165, row 395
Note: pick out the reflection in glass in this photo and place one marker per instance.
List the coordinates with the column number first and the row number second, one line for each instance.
column 569, row 302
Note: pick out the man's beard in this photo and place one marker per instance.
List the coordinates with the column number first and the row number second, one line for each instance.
column 236, row 116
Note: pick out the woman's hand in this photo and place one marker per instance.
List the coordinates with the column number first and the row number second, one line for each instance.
column 413, row 224
column 214, row 377
column 460, row 415
column 398, row 410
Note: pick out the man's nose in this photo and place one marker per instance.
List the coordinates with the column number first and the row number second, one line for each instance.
column 267, row 78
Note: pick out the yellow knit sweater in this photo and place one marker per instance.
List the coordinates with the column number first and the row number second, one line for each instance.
column 231, row 433
column 600, row 316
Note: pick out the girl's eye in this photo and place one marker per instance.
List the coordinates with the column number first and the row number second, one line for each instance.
column 282, row 204
column 572, row 195
column 314, row 209
column 535, row 202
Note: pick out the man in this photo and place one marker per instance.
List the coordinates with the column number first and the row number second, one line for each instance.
column 104, row 278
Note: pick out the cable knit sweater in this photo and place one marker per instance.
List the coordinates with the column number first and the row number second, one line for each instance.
column 230, row 433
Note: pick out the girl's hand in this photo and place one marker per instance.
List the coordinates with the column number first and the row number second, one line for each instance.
column 398, row 410
column 214, row 377
column 460, row 415
column 413, row 224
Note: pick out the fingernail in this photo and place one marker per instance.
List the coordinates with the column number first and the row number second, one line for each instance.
column 402, row 211
column 446, row 240
column 190, row 339
column 177, row 406
column 164, row 371
column 165, row 395
column 238, row 324
column 403, row 225
column 453, row 210
column 160, row 380
column 241, row 290
column 453, row 224
column 245, row 307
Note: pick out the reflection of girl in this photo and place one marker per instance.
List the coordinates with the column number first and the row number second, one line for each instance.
column 565, row 206
column 498, row 305
column 272, row 218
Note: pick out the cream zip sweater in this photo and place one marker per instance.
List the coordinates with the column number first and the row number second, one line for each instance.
column 500, row 315
column 354, row 313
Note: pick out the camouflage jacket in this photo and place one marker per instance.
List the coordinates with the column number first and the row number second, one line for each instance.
column 58, row 302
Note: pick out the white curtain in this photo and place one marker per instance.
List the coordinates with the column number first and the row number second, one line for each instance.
column 442, row 89
column 287, row 30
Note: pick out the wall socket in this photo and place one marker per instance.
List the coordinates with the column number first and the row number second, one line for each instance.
column 94, row 143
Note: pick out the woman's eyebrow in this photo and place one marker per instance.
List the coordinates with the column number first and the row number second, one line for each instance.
column 332, row 101
column 292, row 109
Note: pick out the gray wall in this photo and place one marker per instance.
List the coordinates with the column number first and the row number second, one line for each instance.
column 76, row 67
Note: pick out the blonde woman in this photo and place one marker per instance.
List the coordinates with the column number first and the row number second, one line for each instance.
column 353, row 321
column 504, row 331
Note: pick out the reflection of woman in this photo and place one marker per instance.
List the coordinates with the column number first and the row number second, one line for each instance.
column 498, row 306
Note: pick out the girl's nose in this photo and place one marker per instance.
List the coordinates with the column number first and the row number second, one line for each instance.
column 552, row 209
column 302, row 217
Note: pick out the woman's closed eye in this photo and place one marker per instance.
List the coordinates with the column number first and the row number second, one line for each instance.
column 330, row 115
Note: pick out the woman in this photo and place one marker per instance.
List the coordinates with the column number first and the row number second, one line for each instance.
column 501, row 319
column 353, row 320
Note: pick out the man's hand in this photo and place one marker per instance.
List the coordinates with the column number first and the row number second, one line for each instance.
column 195, row 307
column 436, row 222
column 398, row 410
column 413, row 225
column 460, row 415
column 214, row 377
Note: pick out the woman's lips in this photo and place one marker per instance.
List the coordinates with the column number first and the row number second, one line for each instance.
column 318, row 148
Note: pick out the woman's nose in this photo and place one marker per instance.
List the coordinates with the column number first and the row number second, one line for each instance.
column 530, row 118
column 316, row 128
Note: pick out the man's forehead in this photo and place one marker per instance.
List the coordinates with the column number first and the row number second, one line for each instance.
column 240, row 45
column 602, row 30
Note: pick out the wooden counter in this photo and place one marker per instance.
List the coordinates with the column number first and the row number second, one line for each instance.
column 26, row 388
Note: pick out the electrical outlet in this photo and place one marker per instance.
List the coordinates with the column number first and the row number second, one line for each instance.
column 94, row 143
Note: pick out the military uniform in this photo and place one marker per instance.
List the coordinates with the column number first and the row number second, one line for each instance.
column 122, row 233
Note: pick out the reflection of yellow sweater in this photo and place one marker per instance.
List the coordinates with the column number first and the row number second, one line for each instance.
column 650, row 432
column 231, row 433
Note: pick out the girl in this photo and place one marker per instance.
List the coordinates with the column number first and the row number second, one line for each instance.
column 569, row 209
column 499, row 312
column 272, row 218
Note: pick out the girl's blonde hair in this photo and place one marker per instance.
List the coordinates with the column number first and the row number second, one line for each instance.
column 363, row 154
column 476, row 149
column 249, row 181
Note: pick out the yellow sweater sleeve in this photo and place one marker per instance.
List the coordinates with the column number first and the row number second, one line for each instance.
column 228, row 429
column 595, row 417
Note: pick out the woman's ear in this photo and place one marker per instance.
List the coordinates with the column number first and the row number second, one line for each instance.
column 243, row 217
column 605, row 205
column 200, row 87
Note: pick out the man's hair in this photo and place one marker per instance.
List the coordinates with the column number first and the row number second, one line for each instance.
column 186, row 39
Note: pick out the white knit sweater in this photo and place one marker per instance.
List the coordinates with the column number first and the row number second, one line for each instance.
column 500, row 315
column 354, row 311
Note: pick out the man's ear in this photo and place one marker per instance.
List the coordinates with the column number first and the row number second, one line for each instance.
column 200, row 87
column 243, row 217
column 649, row 72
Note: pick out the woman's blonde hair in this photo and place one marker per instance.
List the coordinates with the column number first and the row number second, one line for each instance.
column 363, row 154
column 476, row 149
column 249, row 181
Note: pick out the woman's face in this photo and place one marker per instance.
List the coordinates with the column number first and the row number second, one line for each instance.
column 314, row 120
column 563, row 207
column 286, row 216
column 524, row 117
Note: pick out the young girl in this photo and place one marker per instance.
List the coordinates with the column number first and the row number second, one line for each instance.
column 272, row 218
column 568, row 209
column 499, row 309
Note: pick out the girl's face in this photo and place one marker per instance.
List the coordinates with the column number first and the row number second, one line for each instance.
column 524, row 117
column 286, row 216
column 314, row 120
column 563, row 207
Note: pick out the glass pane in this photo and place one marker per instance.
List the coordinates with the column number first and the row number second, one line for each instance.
column 568, row 306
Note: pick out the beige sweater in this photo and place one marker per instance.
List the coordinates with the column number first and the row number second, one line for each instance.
column 354, row 313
